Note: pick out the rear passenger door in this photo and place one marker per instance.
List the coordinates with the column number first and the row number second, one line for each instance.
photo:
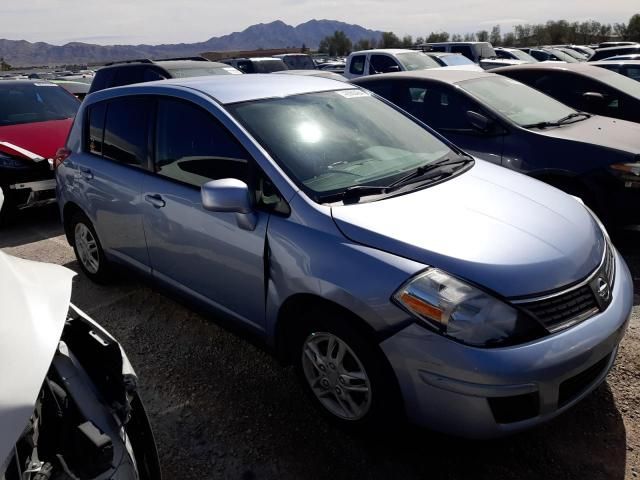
column 110, row 174
column 202, row 253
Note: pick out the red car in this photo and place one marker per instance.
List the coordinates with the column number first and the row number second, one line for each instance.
column 35, row 118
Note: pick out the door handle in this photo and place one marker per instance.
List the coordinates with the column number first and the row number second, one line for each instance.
column 86, row 173
column 155, row 200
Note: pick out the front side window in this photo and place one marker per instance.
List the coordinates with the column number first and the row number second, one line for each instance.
column 357, row 65
column 192, row 147
column 520, row 103
column 382, row 64
column 126, row 130
column 330, row 141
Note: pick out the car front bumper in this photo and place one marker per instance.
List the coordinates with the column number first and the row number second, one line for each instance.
column 483, row 393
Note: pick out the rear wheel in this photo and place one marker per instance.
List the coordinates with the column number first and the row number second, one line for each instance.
column 88, row 249
column 345, row 373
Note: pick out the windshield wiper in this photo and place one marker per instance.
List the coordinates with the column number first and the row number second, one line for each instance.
column 356, row 192
column 423, row 169
column 557, row 123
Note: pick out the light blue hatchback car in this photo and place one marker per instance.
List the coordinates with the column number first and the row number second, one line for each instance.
column 402, row 277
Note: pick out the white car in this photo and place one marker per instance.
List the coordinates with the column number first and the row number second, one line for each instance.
column 69, row 407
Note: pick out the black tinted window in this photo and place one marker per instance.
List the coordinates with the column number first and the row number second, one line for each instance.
column 128, row 75
column 440, row 108
column 152, row 74
column 464, row 50
column 382, row 64
column 95, row 128
column 126, row 127
column 193, row 147
column 357, row 65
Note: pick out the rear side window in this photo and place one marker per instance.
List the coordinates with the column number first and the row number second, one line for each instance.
column 95, row 128
column 192, row 147
column 357, row 65
column 126, row 131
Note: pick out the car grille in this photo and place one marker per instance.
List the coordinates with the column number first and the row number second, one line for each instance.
column 559, row 311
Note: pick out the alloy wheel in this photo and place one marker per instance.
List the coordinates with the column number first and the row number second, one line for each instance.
column 87, row 248
column 336, row 376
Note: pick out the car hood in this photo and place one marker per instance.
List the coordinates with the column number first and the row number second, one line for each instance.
column 499, row 229
column 41, row 138
column 603, row 131
column 34, row 301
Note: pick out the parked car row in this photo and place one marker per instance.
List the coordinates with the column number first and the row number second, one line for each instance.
column 244, row 194
column 378, row 235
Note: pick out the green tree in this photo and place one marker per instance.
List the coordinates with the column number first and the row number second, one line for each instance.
column 482, row 36
column 438, row 37
column 407, row 41
column 390, row 40
column 633, row 28
column 456, row 37
column 469, row 37
column 337, row 44
column 4, row 66
column 419, row 40
column 364, row 44
column 495, row 37
column 509, row 39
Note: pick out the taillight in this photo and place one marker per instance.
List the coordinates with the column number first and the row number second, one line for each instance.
column 61, row 155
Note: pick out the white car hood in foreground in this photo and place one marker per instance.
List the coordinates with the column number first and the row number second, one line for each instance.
column 34, row 302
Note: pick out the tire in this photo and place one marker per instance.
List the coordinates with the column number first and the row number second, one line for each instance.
column 8, row 211
column 88, row 249
column 359, row 393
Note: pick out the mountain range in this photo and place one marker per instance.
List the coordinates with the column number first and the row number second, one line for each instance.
column 276, row 34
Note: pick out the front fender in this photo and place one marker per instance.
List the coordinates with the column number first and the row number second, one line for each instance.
column 318, row 260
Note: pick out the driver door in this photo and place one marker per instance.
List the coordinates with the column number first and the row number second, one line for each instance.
column 205, row 254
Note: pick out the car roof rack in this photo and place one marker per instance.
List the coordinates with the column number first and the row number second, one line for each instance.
column 139, row 60
column 195, row 59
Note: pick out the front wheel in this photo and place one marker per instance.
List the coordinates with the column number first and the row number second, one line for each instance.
column 346, row 374
column 88, row 249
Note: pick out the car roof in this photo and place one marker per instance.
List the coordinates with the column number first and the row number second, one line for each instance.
column 618, row 47
column 582, row 68
column 25, row 81
column 228, row 89
column 392, row 51
column 439, row 74
column 171, row 64
column 616, row 62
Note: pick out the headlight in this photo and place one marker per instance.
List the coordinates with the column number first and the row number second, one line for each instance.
column 464, row 312
column 10, row 162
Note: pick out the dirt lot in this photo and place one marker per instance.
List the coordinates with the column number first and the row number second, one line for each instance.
column 222, row 408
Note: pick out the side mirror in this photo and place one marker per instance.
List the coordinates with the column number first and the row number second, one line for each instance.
column 229, row 195
column 479, row 121
column 593, row 101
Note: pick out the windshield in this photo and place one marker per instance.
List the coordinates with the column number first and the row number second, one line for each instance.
column 416, row 61
column 520, row 103
column 456, row 59
column 520, row 55
column 330, row 141
column 202, row 71
column 562, row 56
column 35, row 102
column 299, row 62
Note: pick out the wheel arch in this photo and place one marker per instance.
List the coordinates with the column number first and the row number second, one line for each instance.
column 70, row 208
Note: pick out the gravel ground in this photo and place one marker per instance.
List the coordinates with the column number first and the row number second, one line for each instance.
column 222, row 408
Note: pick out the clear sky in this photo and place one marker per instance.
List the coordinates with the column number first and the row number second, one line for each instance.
column 177, row 21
